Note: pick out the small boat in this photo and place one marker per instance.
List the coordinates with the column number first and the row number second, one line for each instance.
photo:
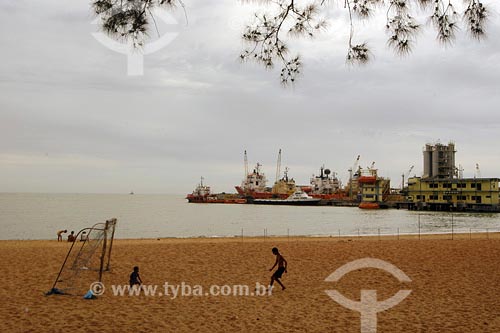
column 200, row 193
column 298, row 198
column 369, row 205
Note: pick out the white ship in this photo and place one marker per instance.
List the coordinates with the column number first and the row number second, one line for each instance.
column 298, row 198
column 324, row 186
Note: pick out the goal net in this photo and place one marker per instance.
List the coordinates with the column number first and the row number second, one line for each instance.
column 88, row 257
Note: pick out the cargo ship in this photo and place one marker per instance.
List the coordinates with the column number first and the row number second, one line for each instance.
column 254, row 185
column 284, row 187
column 202, row 194
column 324, row 186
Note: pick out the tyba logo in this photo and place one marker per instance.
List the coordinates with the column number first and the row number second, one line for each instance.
column 368, row 306
column 135, row 55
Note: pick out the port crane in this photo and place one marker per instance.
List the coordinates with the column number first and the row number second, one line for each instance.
column 351, row 169
column 407, row 176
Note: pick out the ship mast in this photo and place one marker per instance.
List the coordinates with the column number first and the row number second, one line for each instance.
column 246, row 165
column 278, row 166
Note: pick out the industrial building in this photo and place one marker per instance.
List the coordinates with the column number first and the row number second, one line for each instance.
column 440, row 188
column 439, row 161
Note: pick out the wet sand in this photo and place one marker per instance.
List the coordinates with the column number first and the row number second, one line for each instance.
column 455, row 285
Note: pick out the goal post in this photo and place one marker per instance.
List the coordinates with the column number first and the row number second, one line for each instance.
column 87, row 258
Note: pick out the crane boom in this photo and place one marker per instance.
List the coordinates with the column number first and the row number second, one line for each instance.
column 278, row 166
column 355, row 165
column 406, row 175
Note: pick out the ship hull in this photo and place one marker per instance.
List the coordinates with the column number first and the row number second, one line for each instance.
column 261, row 195
column 215, row 200
column 334, row 196
column 286, row 202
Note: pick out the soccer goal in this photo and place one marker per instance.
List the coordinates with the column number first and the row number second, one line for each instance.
column 88, row 257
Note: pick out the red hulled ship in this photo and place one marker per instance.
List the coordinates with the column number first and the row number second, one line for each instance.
column 202, row 194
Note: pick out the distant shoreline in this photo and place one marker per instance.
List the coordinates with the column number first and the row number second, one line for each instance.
column 494, row 234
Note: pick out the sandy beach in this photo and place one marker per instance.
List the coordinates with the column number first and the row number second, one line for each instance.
column 455, row 286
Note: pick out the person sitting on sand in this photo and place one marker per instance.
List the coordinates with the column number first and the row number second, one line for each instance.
column 135, row 279
column 71, row 237
column 59, row 235
column 282, row 264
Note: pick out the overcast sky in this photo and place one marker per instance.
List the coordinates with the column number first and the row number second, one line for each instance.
column 72, row 120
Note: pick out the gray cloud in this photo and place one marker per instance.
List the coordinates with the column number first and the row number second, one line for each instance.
column 73, row 121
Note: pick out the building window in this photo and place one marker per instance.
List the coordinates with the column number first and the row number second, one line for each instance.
column 446, row 185
column 446, row 197
column 461, row 197
column 477, row 198
column 433, row 197
column 473, row 185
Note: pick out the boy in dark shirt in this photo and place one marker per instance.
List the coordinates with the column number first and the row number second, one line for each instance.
column 71, row 237
column 135, row 278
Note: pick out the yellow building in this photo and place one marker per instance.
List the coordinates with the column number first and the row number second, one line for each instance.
column 477, row 194
column 373, row 189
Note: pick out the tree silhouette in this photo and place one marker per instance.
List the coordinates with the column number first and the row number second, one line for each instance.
column 267, row 36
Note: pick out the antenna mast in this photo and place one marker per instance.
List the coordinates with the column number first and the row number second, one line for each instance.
column 278, row 166
column 246, row 165
column 478, row 171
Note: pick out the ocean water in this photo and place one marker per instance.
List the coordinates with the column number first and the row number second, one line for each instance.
column 39, row 216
